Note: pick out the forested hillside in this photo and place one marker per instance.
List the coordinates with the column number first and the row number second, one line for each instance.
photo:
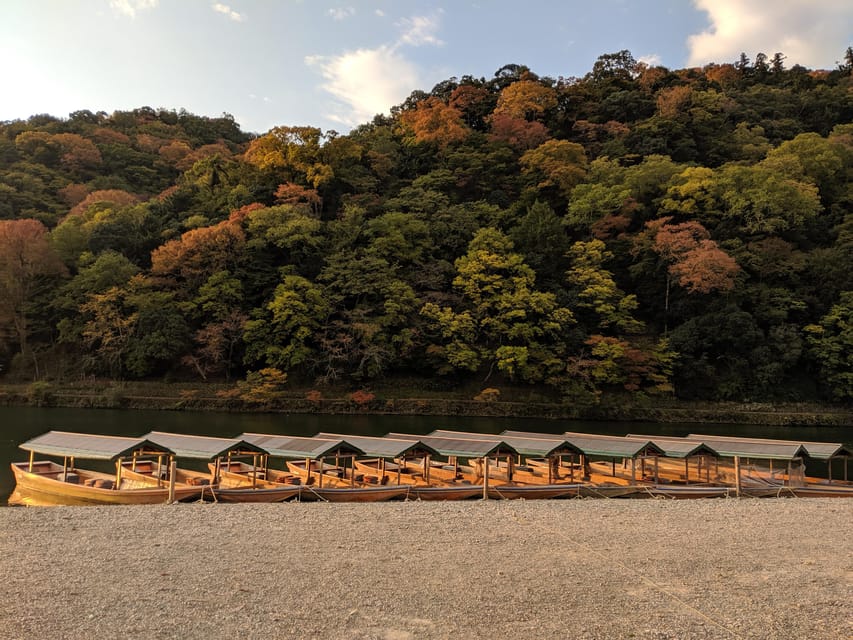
column 638, row 230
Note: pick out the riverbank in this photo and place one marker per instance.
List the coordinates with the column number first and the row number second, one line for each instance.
column 588, row 568
column 510, row 403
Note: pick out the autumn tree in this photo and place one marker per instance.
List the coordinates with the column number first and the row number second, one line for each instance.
column 26, row 259
column 526, row 100
column 432, row 121
column 556, row 164
column 694, row 261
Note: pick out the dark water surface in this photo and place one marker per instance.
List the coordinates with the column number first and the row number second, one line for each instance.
column 20, row 424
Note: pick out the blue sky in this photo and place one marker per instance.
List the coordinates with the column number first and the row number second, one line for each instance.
column 334, row 64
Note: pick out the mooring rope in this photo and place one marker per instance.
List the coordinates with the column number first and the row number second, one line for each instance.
column 311, row 489
column 609, row 558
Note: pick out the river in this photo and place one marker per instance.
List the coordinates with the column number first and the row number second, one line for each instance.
column 19, row 424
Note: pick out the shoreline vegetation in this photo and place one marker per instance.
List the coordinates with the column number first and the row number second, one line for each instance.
column 412, row 400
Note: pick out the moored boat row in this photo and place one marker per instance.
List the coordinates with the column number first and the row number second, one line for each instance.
column 443, row 465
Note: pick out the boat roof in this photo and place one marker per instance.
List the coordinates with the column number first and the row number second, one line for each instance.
column 817, row 450
column 523, row 445
column 768, row 450
column 465, row 447
column 302, row 447
column 386, row 447
column 92, row 447
column 674, row 447
column 203, row 447
column 599, row 445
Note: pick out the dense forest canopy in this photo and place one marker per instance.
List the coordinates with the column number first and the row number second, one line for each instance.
column 639, row 230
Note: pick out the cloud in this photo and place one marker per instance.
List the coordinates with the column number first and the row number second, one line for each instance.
column 651, row 60
column 380, row 13
column 813, row 33
column 365, row 82
column 341, row 13
column 130, row 7
column 228, row 11
column 421, row 30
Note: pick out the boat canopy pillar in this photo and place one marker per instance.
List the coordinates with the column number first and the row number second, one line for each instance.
column 172, row 474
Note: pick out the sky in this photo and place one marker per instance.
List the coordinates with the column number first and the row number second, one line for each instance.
column 336, row 64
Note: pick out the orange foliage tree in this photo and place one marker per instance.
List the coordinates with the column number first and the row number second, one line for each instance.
column 432, row 121
column 26, row 256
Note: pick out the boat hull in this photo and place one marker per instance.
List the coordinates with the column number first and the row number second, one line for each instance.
column 48, row 489
column 533, row 491
column 239, row 487
column 459, row 492
column 354, row 494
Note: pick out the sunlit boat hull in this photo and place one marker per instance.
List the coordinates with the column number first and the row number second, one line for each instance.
column 44, row 487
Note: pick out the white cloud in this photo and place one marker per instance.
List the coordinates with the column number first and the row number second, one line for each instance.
column 224, row 9
column 813, row 33
column 341, row 13
column 130, row 7
column 380, row 13
column 651, row 60
column 365, row 82
column 421, row 30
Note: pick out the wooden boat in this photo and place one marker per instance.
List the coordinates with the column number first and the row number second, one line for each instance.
column 680, row 492
column 148, row 470
column 444, row 492
column 533, row 491
column 48, row 484
column 331, row 476
column 385, row 472
column 240, row 482
column 353, row 494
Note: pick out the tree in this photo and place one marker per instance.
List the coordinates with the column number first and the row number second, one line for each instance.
column 556, row 163
column 199, row 253
column 597, row 291
column 693, row 260
column 501, row 320
column 285, row 333
column 26, row 258
column 526, row 100
column 518, row 133
column 433, row 121
column 831, row 343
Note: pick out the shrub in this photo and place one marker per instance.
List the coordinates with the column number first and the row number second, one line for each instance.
column 488, row 395
column 362, row 398
column 40, row 393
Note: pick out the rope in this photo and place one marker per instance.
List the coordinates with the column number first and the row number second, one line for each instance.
column 311, row 489
column 609, row 558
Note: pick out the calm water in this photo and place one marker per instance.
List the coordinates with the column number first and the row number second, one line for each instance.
column 20, row 424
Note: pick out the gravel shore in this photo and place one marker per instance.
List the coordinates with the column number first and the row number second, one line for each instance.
column 773, row 568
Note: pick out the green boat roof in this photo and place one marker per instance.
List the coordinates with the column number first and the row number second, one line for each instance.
column 302, row 447
column 203, row 447
column 599, row 445
column 385, row 447
column 462, row 447
column 525, row 446
column 92, row 447
column 768, row 448
column 674, row 447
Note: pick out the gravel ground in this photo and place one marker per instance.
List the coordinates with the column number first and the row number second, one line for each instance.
column 773, row 568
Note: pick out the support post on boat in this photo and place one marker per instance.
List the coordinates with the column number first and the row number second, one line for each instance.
column 737, row 476
column 485, row 477
column 172, row 474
